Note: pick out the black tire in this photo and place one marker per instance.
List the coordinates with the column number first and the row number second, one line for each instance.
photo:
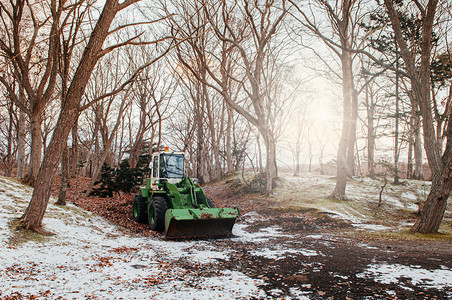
column 210, row 202
column 156, row 213
column 139, row 210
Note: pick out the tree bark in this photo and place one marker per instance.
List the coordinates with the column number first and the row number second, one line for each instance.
column 418, row 152
column 199, row 107
column 352, row 134
column 370, row 132
column 229, row 163
column 35, row 149
column 21, row 134
column 396, row 134
column 215, row 145
column 409, row 170
column 434, row 207
column 74, row 152
column 64, row 181
column 8, row 160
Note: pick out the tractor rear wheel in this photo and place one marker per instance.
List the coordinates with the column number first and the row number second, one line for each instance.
column 156, row 213
column 140, row 212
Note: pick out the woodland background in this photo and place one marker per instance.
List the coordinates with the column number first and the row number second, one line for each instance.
column 356, row 87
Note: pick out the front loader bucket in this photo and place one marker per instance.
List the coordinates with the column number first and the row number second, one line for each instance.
column 200, row 222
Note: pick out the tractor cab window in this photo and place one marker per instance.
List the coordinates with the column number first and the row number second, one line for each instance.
column 171, row 166
column 155, row 166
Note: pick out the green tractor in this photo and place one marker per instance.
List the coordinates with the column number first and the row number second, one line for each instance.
column 173, row 203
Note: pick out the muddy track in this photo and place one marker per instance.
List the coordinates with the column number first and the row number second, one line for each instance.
column 310, row 257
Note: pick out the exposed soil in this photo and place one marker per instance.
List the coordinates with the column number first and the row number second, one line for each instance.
column 326, row 255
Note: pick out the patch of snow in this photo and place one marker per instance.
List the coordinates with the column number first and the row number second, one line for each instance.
column 409, row 196
column 300, row 294
column 395, row 202
column 345, row 277
column 391, row 293
column 346, row 213
column 252, row 217
column 262, row 235
column 362, row 245
column 280, row 254
column 208, row 256
column 374, row 227
column 276, row 292
column 315, row 236
column 386, row 274
column 231, row 285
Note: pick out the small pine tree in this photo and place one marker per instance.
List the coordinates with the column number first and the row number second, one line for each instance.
column 106, row 181
column 126, row 177
column 122, row 178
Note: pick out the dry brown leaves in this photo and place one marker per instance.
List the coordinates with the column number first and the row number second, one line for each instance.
column 118, row 209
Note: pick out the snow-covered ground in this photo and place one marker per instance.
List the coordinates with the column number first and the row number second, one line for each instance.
column 89, row 258
column 361, row 206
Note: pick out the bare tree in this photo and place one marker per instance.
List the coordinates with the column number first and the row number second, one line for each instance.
column 196, row 57
column 251, row 28
column 343, row 17
column 300, row 131
column 104, row 110
column 322, row 141
column 151, row 94
column 32, row 218
column 38, row 77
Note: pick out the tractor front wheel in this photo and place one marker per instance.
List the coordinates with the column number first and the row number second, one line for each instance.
column 140, row 213
column 156, row 213
column 210, row 202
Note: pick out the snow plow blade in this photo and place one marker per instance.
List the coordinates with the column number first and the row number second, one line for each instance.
column 200, row 222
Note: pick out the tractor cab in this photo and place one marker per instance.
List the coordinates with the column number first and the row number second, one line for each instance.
column 167, row 166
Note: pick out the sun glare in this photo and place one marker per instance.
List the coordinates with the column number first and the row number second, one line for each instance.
column 322, row 115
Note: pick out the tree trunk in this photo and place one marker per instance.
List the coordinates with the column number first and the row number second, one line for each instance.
column 21, row 134
column 213, row 137
column 230, row 165
column 297, row 162
column 396, row 134
column 418, row 152
column 97, row 168
column 352, row 134
column 348, row 92
column 434, row 207
column 259, row 154
column 64, row 182
column 74, row 152
column 36, row 149
column 419, row 74
column 200, row 139
column 370, row 133
column 32, row 218
column 409, row 169
column 9, row 155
